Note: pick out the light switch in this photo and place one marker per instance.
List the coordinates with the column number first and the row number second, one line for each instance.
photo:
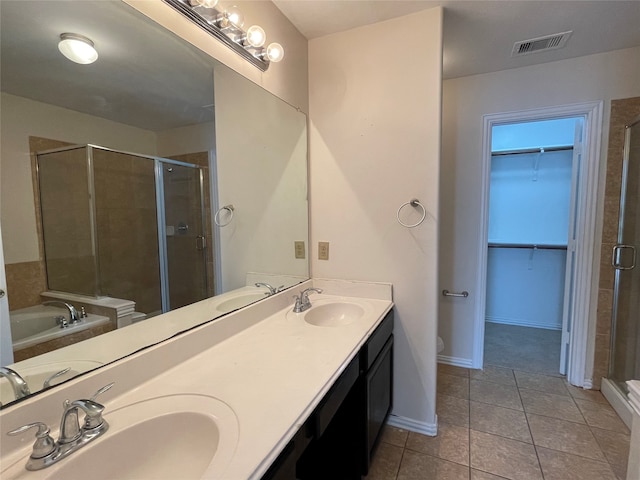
column 299, row 249
column 323, row 250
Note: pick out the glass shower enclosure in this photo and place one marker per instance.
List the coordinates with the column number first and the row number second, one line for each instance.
column 123, row 225
column 624, row 361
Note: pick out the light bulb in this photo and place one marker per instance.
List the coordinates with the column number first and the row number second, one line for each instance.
column 234, row 16
column 275, row 52
column 204, row 3
column 77, row 48
column 255, row 36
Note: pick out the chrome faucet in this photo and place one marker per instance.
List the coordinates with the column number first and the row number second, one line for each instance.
column 70, row 430
column 19, row 386
column 302, row 300
column 272, row 290
column 73, row 313
column 72, row 437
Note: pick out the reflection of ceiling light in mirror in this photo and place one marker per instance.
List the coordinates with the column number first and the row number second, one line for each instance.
column 77, row 48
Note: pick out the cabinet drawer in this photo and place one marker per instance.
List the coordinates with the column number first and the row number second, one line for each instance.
column 377, row 341
column 334, row 398
column 284, row 468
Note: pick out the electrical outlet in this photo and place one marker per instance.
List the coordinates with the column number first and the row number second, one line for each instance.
column 323, row 250
column 299, row 249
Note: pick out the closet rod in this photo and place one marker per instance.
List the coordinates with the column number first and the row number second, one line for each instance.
column 531, row 150
column 527, row 245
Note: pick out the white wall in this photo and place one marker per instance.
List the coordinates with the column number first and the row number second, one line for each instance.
column 603, row 76
column 529, row 198
column 21, row 118
column 262, row 172
column 525, row 287
column 375, row 144
column 192, row 139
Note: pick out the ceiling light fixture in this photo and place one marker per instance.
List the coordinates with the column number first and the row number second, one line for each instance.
column 77, row 48
column 226, row 26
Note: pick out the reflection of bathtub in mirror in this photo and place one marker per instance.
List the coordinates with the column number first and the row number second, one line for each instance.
column 36, row 329
column 131, row 336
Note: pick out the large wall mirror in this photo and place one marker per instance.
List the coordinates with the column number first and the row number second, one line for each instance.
column 153, row 179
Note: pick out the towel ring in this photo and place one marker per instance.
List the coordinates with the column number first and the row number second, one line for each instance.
column 414, row 203
column 216, row 217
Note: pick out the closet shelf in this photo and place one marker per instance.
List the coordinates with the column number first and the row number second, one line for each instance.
column 531, row 150
column 540, row 246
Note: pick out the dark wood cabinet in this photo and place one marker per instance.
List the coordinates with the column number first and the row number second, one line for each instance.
column 338, row 439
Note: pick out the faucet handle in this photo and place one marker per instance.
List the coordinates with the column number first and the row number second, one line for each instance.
column 47, row 382
column 102, row 390
column 44, row 444
column 93, row 410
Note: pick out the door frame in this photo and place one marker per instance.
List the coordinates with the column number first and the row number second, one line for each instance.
column 581, row 345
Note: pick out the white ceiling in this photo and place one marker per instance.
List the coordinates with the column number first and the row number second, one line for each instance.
column 145, row 76
column 479, row 35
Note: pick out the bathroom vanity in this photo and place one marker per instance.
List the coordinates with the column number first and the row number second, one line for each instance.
column 261, row 393
column 338, row 438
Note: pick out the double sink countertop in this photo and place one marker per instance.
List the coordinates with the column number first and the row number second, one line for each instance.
column 263, row 368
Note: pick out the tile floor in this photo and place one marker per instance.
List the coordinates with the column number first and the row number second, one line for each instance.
column 522, row 348
column 501, row 423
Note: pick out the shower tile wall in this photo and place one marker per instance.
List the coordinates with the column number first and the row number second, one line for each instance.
column 127, row 228
column 623, row 111
column 25, row 280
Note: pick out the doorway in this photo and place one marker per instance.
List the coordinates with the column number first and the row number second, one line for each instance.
column 532, row 196
column 578, row 305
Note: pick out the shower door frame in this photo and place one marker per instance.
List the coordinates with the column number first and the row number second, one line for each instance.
column 162, row 226
column 619, row 270
column 159, row 187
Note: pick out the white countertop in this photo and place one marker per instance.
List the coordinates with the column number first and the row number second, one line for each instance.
column 272, row 374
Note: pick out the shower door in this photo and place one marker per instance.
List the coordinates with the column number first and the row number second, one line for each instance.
column 184, row 238
column 625, row 340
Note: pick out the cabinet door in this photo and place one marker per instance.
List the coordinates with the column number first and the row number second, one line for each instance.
column 379, row 397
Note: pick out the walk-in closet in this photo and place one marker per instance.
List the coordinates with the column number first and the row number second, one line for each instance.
column 533, row 170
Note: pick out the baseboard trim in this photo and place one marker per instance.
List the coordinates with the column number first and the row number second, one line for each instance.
column 522, row 323
column 430, row 429
column 455, row 361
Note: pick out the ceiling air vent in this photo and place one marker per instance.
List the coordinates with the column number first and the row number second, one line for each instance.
column 541, row 44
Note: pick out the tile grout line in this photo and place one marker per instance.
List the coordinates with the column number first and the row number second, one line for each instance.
column 533, row 442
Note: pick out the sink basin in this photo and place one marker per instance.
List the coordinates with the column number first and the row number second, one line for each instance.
column 177, row 436
column 333, row 314
column 240, row 301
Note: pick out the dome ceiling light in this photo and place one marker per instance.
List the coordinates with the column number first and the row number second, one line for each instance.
column 77, row 48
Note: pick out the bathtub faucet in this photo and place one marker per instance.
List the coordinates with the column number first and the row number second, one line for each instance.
column 19, row 386
column 73, row 313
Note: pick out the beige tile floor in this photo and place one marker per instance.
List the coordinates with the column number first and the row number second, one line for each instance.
column 507, row 424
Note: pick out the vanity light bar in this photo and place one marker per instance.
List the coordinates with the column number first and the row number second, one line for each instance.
column 220, row 24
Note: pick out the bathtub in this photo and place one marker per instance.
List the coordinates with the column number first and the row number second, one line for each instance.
column 33, row 325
